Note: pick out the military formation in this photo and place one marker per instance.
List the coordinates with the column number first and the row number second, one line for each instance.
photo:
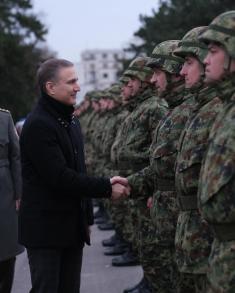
column 168, row 126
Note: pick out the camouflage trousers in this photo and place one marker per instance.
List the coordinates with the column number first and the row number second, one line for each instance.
column 195, row 283
column 157, row 261
column 221, row 274
column 130, row 229
column 118, row 215
column 164, row 213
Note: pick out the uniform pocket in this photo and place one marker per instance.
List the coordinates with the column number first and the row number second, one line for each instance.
column 195, row 156
column 218, row 170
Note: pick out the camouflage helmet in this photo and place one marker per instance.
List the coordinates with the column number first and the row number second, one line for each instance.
column 190, row 44
column 91, row 95
column 114, row 92
column 139, row 69
column 222, row 30
column 163, row 58
column 124, row 79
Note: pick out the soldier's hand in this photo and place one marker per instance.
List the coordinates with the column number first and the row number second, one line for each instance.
column 120, row 180
column 150, row 202
column 119, row 191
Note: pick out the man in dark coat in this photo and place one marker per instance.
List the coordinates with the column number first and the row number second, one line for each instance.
column 54, row 214
column 10, row 192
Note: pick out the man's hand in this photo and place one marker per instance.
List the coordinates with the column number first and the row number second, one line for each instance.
column 120, row 180
column 119, row 191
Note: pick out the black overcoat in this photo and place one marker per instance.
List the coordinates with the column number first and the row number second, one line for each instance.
column 56, row 189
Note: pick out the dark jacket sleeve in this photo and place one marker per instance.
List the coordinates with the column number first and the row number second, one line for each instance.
column 40, row 145
column 89, row 212
column 14, row 158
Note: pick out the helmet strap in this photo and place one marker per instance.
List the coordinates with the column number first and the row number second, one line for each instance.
column 227, row 62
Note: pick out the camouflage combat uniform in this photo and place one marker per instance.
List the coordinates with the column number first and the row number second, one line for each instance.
column 133, row 152
column 158, row 178
column 193, row 234
column 217, row 185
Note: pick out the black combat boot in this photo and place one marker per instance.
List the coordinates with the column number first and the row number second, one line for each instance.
column 126, row 259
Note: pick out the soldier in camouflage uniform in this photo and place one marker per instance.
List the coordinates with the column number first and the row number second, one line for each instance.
column 119, row 210
column 158, row 179
column 193, row 234
column 137, row 132
column 217, row 185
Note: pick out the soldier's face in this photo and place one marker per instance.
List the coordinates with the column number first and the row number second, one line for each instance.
column 159, row 80
column 65, row 87
column 86, row 104
column 95, row 106
column 135, row 85
column 214, row 63
column 126, row 93
column 191, row 71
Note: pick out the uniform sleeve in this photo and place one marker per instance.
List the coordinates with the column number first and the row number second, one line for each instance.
column 142, row 183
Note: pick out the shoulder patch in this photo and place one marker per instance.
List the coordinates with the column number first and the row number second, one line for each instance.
column 4, row 110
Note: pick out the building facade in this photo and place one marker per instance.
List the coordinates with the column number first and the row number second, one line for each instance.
column 99, row 69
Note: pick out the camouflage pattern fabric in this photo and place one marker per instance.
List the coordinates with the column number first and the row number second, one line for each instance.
column 164, row 276
column 133, row 150
column 216, row 192
column 193, row 234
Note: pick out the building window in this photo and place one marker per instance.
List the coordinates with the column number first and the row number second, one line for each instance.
column 104, row 56
column 105, row 75
column 105, row 65
column 92, row 76
column 92, row 66
column 89, row 56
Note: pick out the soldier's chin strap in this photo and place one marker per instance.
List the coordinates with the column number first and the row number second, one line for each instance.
column 202, row 70
column 227, row 62
column 171, row 83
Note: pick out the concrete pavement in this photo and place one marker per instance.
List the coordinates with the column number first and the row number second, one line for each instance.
column 98, row 275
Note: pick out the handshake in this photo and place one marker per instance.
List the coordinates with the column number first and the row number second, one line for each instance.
column 120, row 188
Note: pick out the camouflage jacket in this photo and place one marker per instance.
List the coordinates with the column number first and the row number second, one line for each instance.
column 193, row 234
column 159, row 176
column 84, row 120
column 117, row 116
column 163, row 147
column 217, row 185
column 137, row 131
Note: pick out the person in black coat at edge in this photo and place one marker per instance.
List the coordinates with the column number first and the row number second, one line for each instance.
column 54, row 214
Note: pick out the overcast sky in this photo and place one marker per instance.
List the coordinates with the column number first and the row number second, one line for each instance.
column 77, row 25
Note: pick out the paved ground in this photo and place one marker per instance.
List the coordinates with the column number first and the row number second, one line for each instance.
column 98, row 276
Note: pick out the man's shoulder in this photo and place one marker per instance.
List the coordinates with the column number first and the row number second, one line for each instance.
column 5, row 113
column 38, row 120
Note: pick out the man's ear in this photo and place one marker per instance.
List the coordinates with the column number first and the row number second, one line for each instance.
column 50, row 87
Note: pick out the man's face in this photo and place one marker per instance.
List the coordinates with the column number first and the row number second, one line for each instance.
column 86, row 104
column 135, row 85
column 126, row 92
column 214, row 63
column 191, row 71
column 103, row 104
column 159, row 80
column 111, row 104
column 65, row 87
column 95, row 106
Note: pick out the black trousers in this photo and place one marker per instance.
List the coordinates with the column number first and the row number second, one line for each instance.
column 55, row 270
column 7, row 268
